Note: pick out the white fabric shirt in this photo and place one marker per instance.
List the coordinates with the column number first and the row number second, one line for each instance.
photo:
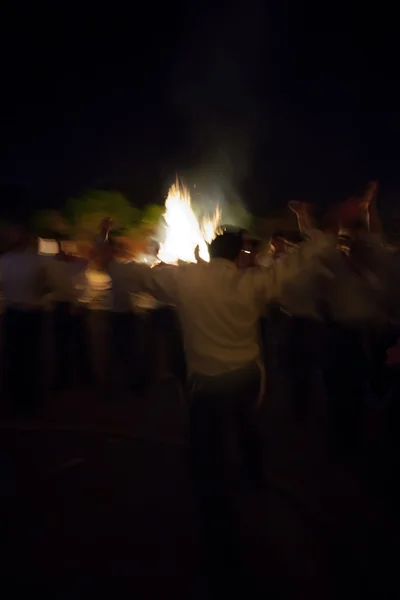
column 219, row 306
column 362, row 289
column 24, row 279
column 265, row 259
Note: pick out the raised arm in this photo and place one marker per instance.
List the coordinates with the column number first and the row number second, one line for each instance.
column 303, row 212
column 296, row 271
column 160, row 282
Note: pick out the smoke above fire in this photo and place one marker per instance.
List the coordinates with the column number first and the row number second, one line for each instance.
column 213, row 94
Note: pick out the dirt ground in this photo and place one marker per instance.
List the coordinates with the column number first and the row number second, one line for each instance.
column 96, row 498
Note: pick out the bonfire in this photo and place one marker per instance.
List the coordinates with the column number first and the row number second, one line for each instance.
column 184, row 231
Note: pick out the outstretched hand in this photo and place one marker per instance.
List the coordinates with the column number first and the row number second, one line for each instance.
column 303, row 212
column 358, row 207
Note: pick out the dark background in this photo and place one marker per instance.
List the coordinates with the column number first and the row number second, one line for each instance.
column 281, row 100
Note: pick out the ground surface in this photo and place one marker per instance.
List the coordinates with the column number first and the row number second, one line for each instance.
column 91, row 502
column 95, row 496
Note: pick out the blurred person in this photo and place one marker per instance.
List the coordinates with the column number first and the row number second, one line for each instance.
column 219, row 307
column 166, row 327
column 274, row 323
column 166, row 353
column 296, row 325
column 24, row 283
column 69, row 282
column 338, row 348
column 275, row 250
column 356, row 322
column 104, row 232
column 127, row 370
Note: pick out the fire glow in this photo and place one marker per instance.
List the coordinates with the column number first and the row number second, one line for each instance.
column 184, row 232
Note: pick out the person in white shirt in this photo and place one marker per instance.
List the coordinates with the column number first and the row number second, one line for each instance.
column 69, row 282
column 361, row 313
column 219, row 307
column 24, row 283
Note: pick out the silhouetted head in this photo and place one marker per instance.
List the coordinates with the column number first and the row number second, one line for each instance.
column 227, row 245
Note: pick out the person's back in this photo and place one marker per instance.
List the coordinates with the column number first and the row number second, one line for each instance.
column 219, row 311
column 218, row 305
column 219, row 316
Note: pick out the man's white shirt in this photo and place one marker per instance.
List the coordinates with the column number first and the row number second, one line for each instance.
column 219, row 306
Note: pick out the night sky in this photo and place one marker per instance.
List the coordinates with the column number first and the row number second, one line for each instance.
column 281, row 100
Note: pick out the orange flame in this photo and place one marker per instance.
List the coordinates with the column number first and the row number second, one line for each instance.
column 184, row 232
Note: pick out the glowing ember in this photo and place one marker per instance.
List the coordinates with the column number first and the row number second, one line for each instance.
column 184, row 232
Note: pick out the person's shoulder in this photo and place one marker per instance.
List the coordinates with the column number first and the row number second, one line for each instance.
column 253, row 276
column 195, row 269
column 130, row 266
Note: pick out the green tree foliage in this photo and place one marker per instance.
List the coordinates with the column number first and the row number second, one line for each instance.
column 86, row 212
column 151, row 217
column 152, row 214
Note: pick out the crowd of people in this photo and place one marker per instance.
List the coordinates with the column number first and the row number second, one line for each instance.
column 324, row 311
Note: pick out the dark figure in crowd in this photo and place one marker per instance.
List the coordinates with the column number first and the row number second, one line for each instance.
column 166, row 328
column 24, row 285
column 292, row 330
column 104, row 232
column 219, row 307
column 128, row 371
column 353, row 326
column 68, row 278
column 165, row 323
